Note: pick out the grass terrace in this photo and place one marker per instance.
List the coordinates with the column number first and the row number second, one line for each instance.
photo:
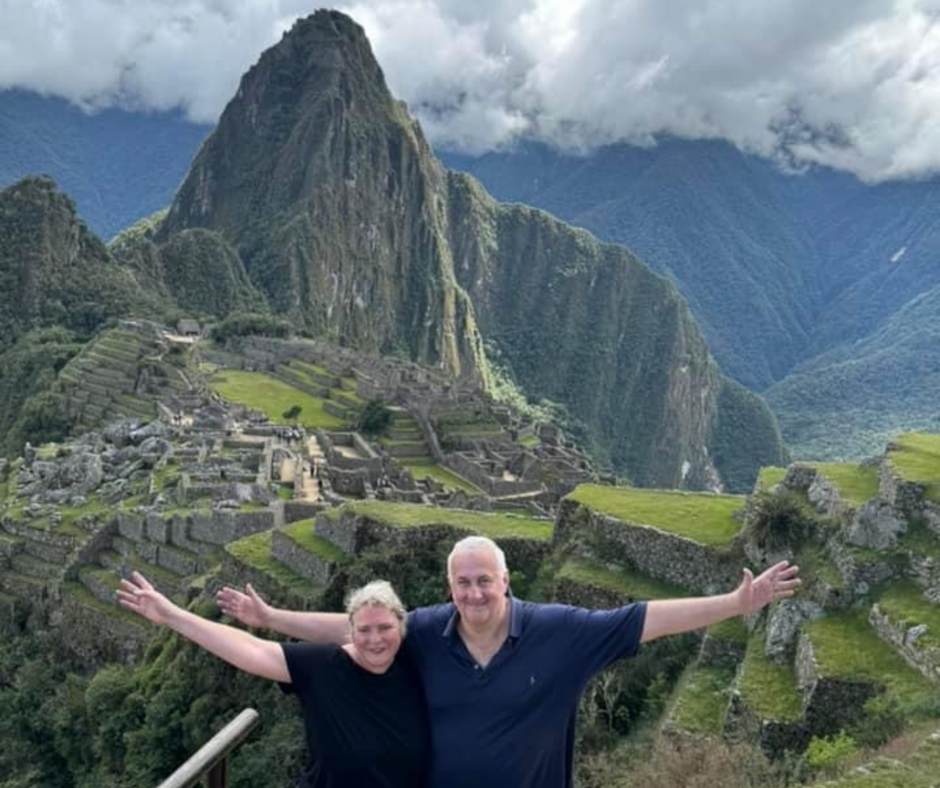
column 920, row 539
column 420, row 468
column 620, row 580
column 731, row 630
column 770, row 475
column 768, row 689
column 904, row 601
column 848, row 648
column 407, row 515
column 703, row 517
column 273, row 397
column 915, row 457
column 702, row 700
column 82, row 595
column 255, row 551
column 856, row 484
column 302, row 533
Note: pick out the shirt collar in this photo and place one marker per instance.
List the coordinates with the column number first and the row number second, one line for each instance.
column 515, row 620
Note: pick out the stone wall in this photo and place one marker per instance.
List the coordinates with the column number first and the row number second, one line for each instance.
column 904, row 495
column 905, row 638
column 662, row 555
column 300, row 561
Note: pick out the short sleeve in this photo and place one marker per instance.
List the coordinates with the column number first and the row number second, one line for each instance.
column 601, row 637
column 305, row 662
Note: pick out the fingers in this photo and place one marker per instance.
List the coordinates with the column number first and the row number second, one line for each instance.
column 141, row 581
column 748, row 577
column 254, row 594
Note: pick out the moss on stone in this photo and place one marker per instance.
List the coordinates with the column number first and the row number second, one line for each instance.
column 904, row 601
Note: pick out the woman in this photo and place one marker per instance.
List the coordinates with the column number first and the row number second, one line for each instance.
column 363, row 706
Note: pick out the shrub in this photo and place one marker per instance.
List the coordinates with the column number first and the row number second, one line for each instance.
column 826, row 755
column 241, row 324
column 775, row 521
column 374, row 417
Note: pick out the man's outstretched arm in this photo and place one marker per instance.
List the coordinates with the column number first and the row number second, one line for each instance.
column 251, row 610
column 673, row 616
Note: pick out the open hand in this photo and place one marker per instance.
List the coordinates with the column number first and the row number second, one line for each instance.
column 248, row 608
column 778, row 582
column 139, row 596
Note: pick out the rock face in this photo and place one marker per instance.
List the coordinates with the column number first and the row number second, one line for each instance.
column 329, row 193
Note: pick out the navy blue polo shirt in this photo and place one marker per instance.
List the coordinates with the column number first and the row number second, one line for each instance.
column 511, row 724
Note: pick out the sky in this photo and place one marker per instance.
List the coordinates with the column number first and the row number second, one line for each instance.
column 850, row 84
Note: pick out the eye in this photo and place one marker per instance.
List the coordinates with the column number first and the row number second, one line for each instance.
column 385, row 627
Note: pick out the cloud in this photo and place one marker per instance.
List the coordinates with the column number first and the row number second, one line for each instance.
column 852, row 84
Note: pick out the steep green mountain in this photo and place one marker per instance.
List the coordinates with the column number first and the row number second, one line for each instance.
column 862, row 392
column 53, row 270
column 587, row 324
column 117, row 165
column 327, row 189
column 703, row 214
column 345, row 220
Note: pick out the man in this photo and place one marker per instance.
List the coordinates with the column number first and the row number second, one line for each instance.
column 503, row 677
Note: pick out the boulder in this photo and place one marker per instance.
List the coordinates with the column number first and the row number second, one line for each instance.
column 783, row 625
column 877, row 525
column 155, row 429
column 119, row 431
column 82, row 471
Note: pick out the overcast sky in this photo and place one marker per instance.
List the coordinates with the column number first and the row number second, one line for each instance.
column 854, row 84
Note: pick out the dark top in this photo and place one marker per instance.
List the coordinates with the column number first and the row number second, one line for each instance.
column 364, row 730
column 511, row 724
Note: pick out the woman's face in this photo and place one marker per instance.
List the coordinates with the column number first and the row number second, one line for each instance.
column 376, row 636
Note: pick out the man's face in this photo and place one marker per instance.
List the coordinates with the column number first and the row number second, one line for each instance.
column 477, row 587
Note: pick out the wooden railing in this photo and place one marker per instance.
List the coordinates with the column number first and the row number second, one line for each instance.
column 211, row 761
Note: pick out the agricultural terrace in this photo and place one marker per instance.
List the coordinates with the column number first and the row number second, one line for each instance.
column 273, row 397
column 703, row 517
column 915, row 457
column 496, row 525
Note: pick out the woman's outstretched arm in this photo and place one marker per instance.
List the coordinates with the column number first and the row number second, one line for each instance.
column 246, row 652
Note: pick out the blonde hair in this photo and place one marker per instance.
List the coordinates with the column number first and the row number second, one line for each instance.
column 378, row 593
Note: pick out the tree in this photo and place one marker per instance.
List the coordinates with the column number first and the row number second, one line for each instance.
column 292, row 413
column 374, row 417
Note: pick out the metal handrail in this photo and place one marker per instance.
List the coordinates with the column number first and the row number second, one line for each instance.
column 211, row 761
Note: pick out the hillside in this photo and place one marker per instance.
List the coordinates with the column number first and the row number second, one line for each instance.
column 118, row 165
column 863, row 391
column 441, row 269
column 216, row 492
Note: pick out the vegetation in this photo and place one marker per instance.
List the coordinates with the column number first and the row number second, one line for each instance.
column 856, row 484
column 241, row 324
column 702, row 517
column 374, row 417
column 775, row 521
column 629, row 582
column 273, row 397
column 916, row 458
column 767, row 689
column 403, row 515
column 421, row 468
column 702, row 700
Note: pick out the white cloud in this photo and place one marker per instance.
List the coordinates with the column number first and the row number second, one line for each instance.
column 853, row 84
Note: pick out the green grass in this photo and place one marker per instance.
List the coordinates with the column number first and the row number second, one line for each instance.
column 702, row 700
column 770, row 475
column 302, row 533
column 856, row 484
column 731, row 630
column 284, row 492
column 87, row 599
column 530, row 441
column 628, row 582
column 407, row 515
column 768, row 689
column 848, row 648
column 702, row 517
column 273, row 397
column 814, row 565
column 904, row 601
column 255, row 551
column 920, row 539
column 916, row 458
column 421, row 468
